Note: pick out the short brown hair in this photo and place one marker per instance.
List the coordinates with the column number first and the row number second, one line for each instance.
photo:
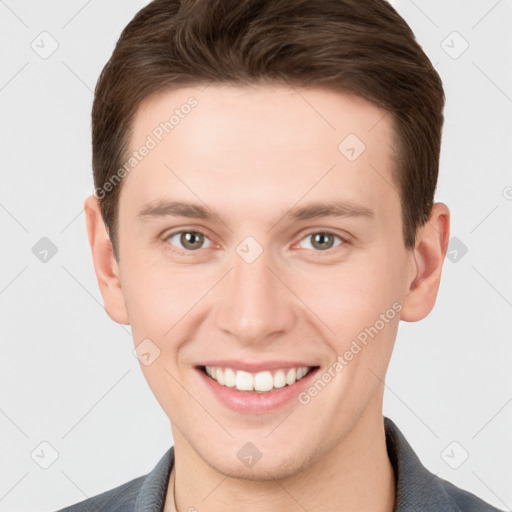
column 362, row 47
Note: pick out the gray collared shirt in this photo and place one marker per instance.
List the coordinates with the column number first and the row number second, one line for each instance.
column 417, row 489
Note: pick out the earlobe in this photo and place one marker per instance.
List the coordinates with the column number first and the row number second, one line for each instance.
column 429, row 254
column 105, row 265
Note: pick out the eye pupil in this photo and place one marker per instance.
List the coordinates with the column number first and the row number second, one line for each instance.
column 191, row 240
column 319, row 240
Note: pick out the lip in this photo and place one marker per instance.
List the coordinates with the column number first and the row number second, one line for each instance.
column 255, row 367
column 248, row 402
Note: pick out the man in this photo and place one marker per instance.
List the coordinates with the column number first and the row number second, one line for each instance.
column 263, row 218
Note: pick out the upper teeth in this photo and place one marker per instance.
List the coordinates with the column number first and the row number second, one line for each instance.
column 261, row 381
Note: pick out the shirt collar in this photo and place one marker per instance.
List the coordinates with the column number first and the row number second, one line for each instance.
column 416, row 487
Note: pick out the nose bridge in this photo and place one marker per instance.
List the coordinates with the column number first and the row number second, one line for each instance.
column 254, row 304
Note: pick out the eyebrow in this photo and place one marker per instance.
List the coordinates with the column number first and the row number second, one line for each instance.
column 164, row 208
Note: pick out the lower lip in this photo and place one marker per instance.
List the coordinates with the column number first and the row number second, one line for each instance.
column 253, row 402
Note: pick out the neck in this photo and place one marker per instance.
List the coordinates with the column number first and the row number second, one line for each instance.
column 356, row 475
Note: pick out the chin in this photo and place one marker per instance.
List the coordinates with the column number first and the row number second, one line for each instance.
column 264, row 469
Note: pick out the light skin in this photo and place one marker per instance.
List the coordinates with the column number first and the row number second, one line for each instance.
column 253, row 155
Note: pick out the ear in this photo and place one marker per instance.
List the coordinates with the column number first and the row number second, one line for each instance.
column 105, row 265
column 429, row 253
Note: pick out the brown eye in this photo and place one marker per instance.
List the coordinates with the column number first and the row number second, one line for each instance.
column 188, row 240
column 321, row 240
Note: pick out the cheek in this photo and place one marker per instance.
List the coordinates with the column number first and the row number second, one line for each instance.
column 352, row 296
column 156, row 299
column 344, row 298
column 159, row 303
column 360, row 305
column 362, row 310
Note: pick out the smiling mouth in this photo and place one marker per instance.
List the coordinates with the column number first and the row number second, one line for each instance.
column 260, row 382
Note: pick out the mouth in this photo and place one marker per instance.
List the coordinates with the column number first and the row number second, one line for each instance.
column 266, row 381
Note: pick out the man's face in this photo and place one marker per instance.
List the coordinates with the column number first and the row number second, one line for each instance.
column 256, row 284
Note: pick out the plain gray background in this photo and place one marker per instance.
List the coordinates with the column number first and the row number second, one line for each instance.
column 69, row 377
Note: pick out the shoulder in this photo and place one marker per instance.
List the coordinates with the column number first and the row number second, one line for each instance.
column 145, row 492
column 119, row 499
column 417, row 489
column 464, row 500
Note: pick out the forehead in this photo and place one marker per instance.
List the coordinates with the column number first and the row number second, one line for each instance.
column 271, row 145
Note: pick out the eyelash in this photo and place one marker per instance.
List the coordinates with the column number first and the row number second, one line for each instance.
column 344, row 241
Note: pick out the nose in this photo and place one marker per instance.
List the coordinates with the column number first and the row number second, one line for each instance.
column 254, row 305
